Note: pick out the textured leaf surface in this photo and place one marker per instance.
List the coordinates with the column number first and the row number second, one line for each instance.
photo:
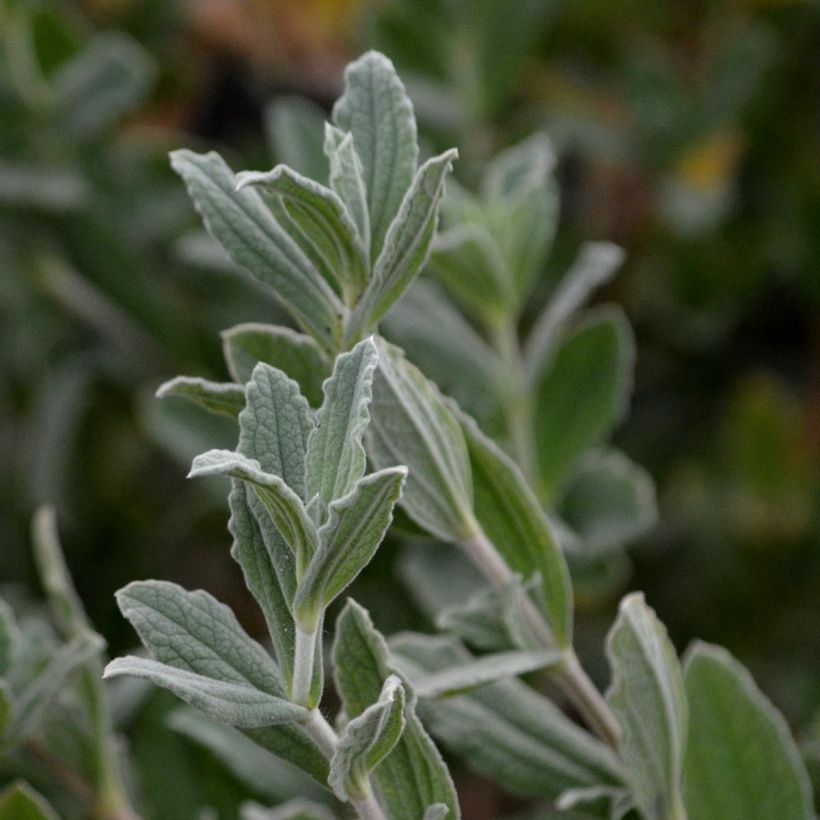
column 294, row 353
column 648, row 698
column 376, row 110
column 347, row 542
column 366, row 740
column 335, row 456
column 413, row 776
column 242, row 222
column 412, row 425
column 741, row 760
column 513, row 520
column 505, row 731
column 216, row 397
column 583, row 393
column 347, row 179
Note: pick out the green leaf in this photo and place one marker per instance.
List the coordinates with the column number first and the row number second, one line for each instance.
column 275, row 426
column 347, row 179
column 366, row 740
column 512, row 518
column 10, row 638
column 412, row 425
column 348, row 541
column 333, row 240
column 19, row 801
column 413, row 775
column 438, row 811
column 407, row 244
column 284, row 506
column 583, row 393
column 238, row 704
column 741, row 760
column 268, row 573
column 335, row 455
column 376, row 110
column 648, row 698
column 608, row 501
column 217, row 397
column 296, row 809
column 242, row 222
column 293, row 353
column 505, row 731
column 294, row 128
column 292, row 743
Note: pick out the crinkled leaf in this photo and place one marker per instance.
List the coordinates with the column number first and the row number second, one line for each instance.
column 242, row 222
column 275, row 425
column 237, row 704
column 217, row 397
column 294, row 353
column 284, row 506
column 407, row 244
column 335, row 455
column 583, row 393
column 505, row 731
column 376, row 110
column 648, row 699
column 294, row 128
column 412, row 425
column 513, row 520
column 332, row 237
column 413, row 775
column 19, row 801
column 347, row 542
column 366, row 740
column 741, row 760
column 347, row 179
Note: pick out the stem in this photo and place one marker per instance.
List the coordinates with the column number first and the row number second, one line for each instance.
column 569, row 675
column 304, row 653
column 327, row 740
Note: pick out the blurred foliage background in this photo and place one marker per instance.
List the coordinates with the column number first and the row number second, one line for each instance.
column 687, row 132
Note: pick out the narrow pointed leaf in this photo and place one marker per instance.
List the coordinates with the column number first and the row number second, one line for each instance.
column 741, row 760
column 335, row 455
column 648, row 698
column 347, row 179
column 376, row 110
column 407, row 244
column 242, row 222
column 237, row 704
column 324, row 219
column 413, row 775
column 217, row 397
column 505, row 731
column 293, row 353
column 514, row 521
column 412, row 425
column 366, row 740
column 275, row 425
column 285, row 507
column 19, row 801
column 347, row 542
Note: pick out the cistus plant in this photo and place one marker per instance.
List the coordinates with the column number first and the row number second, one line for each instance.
column 317, row 405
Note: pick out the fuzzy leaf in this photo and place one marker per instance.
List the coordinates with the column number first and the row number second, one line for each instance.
column 513, row 520
column 505, row 731
column 583, row 393
column 275, row 426
column 293, row 353
column 19, row 801
column 216, row 397
column 347, row 542
column 335, row 455
column 347, row 179
column 376, row 110
column 366, row 740
column 741, row 760
column 321, row 216
column 412, row 425
column 413, row 775
column 648, row 698
column 242, row 222
column 285, row 507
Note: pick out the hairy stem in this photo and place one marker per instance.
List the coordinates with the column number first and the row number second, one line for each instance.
column 569, row 674
column 304, row 653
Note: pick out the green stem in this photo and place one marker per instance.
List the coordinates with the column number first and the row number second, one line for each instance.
column 304, row 654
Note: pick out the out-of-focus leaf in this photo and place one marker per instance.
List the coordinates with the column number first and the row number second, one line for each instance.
column 294, row 126
column 9, row 637
column 19, row 801
column 217, row 397
column 296, row 809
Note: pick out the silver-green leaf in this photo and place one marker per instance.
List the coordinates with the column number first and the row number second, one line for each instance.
column 216, row 397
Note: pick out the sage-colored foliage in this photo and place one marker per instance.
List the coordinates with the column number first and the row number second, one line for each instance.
column 525, row 490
